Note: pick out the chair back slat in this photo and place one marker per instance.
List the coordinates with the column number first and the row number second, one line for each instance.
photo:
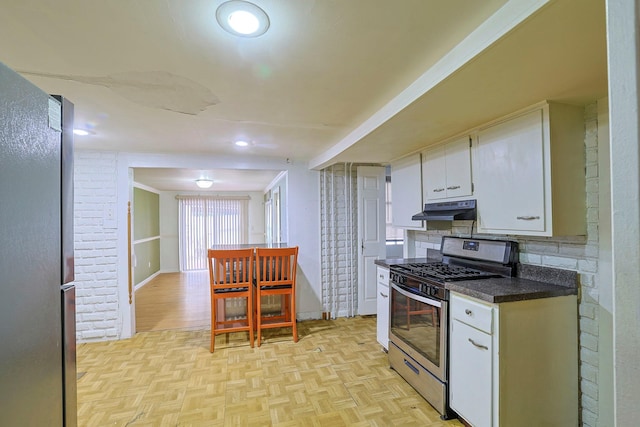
column 276, row 266
column 230, row 268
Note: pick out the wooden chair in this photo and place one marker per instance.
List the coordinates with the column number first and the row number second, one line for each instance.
column 276, row 275
column 230, row 276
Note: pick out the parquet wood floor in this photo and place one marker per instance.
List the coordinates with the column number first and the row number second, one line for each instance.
column 336, row 375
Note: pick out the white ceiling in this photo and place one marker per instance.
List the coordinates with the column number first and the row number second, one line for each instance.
column 174, row 179
column 162, row 76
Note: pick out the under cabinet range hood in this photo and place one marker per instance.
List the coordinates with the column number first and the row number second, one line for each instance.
column 447, row 211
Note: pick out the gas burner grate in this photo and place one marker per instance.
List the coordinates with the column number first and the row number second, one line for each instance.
column 443, row 272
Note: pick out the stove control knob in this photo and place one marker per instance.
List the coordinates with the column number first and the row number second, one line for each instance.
column 434, row 291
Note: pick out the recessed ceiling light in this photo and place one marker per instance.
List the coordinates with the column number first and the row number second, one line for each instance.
column 242, row 143
column 242, row 18
column 80, row 132
column 204, row 183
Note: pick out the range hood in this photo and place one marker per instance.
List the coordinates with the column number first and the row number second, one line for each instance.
column 447, row 211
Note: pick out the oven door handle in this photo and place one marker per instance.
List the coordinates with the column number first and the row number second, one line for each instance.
column 413, row 296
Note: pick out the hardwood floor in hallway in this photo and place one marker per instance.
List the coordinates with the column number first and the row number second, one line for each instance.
column 174, row 301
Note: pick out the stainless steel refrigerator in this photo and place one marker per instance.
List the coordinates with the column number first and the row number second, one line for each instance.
column 37, row 296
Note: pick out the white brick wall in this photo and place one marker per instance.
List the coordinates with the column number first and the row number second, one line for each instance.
column 577, row 253
column 339, row 230
column 97, row 317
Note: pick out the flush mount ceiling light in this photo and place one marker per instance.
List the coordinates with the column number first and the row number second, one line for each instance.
column 80, row 132
column 241, row 143
column 204, row 183
column 242, row 18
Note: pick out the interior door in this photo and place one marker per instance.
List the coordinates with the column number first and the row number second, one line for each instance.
column 371, row 234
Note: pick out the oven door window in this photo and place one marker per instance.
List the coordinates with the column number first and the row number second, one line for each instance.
column 416, row 320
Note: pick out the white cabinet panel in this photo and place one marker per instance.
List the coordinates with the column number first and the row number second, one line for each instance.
column 406, row 192
column 382, row 326
column 471, row 372
column 446, row 170
column 528, row 172
column 434, row 180
column 510, row 175
column 458, row 164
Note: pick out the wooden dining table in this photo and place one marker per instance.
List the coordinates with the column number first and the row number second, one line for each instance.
column 251, row 245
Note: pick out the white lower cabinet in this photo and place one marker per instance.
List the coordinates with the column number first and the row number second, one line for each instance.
column 515, row 363
column 471, row 368
column 383, row 307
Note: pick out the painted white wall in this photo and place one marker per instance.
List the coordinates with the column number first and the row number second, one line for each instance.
column 624, row 124
column 169, row 250
column 301, row 227
column 605, row 273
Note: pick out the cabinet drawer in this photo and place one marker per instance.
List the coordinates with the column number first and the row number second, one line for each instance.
column 383, row 276
column 472, row 313
column 415, row 374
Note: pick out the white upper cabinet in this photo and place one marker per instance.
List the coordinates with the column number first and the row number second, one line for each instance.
column 446, row 170
column 529, row 173
column 406, row 192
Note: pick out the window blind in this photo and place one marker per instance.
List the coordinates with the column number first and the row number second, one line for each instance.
column 207, row 221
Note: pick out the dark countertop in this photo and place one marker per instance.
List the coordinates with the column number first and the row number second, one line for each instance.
column 532, row 282
column 509, row 289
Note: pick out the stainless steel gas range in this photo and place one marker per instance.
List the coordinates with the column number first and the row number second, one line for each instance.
column 419, row 321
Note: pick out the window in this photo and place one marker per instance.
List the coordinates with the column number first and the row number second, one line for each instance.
column 394, row 235
column 208, row 221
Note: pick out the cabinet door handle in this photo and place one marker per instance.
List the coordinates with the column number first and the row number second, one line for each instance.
column 382, row 276
column 478, row 345
column 383, row 295
column 438, row 190
column 468, row 312
column 527, row 217
column 453, row 187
